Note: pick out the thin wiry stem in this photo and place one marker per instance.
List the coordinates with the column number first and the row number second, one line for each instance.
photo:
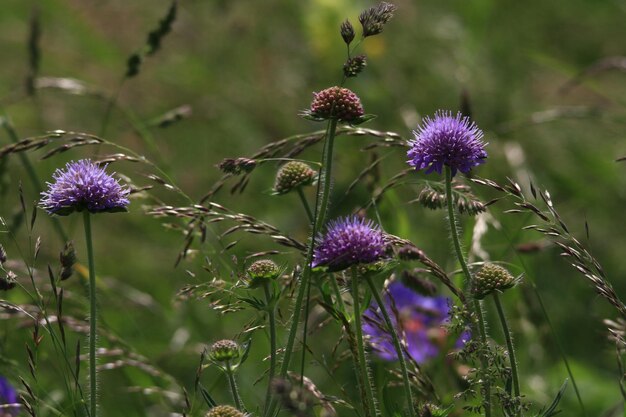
column 454, row 232
column 396, row 344
column 509, row 345
column 93, row 382
column 370, row 403
column 271, row 312
column 305, row 204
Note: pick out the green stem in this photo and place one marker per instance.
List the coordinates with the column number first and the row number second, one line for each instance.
column 271, row 311
column 93, row 382
column 370, row 406
column 396, row 344
column 509, row 343
column 468, row 279
column 233, row 386
column 320, row 212
column 335, row 285
column 305, row 204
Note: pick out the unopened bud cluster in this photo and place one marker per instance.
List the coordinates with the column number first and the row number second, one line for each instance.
column 347, row 32
column 491, row 278
column 354, row 65
column 374, row 19
column 292, row 175
column 336, row 102
column 261, row 272
column 224, row 411
column 224, row 350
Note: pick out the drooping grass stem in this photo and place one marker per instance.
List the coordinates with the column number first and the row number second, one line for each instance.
column 370, row 403
column 93, row 319
column 509, row 344
column 396, row 344
column 271, row 313
column 454, row 233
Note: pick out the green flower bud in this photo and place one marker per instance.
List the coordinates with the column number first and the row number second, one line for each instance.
column 491, row 278
column 224, row 350
column 261, row 272
column 224, row 411
column 292, row 175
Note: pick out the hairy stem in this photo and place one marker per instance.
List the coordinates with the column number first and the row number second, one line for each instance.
column 271, row 311
column 454, row 232
column 305, row 204
column 233, row 386
column 370, row 403
column 509, row 344
column 93, row 382
column 396, row 344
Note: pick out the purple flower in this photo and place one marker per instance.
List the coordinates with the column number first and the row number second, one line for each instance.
column 84, row 185
column 9, row 403
column 417, row 318
column 449, row 140
column 349, row 241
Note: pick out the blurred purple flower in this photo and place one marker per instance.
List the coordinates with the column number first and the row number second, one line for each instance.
column 418, row 318
column 9, row 401
column 449, row 140
column 84, row 185
column 349, row 241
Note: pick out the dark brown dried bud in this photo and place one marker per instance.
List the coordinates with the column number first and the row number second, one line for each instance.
column 347, row 32
column 411, row 253
column 373, row 20
column 8, row 281
column 354, row 66
column 237, row 166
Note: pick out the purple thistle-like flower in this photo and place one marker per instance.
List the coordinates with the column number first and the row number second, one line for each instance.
column 449, row 140
column 84, row 185
column 349, row 241
column 419, row 319
column 9, row 401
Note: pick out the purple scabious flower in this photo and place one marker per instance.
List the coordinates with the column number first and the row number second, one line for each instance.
column 84, row 185
column 9, row 402
column 349, row 241
column 417, row 318
column 449, row 140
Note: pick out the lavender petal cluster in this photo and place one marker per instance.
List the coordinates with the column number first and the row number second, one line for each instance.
column 8, row 399
column 84, row 185
column 449, row 140
column 418, row 318
column 349, row 241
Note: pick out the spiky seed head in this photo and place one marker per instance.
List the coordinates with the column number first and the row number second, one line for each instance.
column 67, row 257
column 224, row 350
column 431, row 199
column 237, row 166
column 374, row 19
column 292, row 175
column 347, row 32
column 354, row 65
column 261, row 272
column 224, row 411
column 490, row 278
column 8, row 281
column 470, row 206
column 336, row 102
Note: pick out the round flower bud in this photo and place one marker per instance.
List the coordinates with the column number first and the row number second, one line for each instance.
column 491, row 278
column 224, row 350
column 354, row 65
column 224, row 411
column 292, row 175
column 262, row 271
column 336, row 102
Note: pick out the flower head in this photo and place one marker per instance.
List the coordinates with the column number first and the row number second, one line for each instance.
column 224, row 411
column 449, row 140
column 419, row 318
column 224, row 350
column 349, row 241
column 336, row 102
column 9, row 402
column 292, row 175
column 84, row 185
column 491, row 278
column 262, row 272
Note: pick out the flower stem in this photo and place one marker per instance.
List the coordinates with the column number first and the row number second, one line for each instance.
column 305, row 204
column 321, row 207
column 396, row 344
column 271, row 311
column 454, row 232
column 93, row 382
column 370, row 405
column 233, row 386
column 509, row 343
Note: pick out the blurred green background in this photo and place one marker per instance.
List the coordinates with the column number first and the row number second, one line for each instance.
column 246, row 69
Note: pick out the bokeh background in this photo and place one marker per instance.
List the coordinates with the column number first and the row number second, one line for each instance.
column 245, row 69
